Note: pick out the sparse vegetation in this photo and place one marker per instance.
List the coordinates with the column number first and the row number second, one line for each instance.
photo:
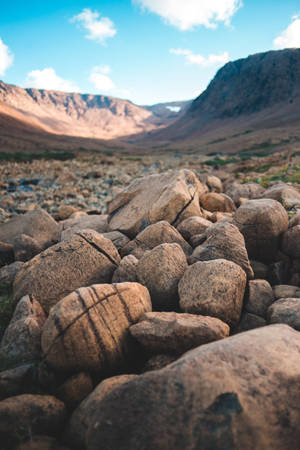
column 26, row 157
column 6, row 307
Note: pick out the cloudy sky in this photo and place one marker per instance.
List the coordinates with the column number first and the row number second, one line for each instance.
column 148, row 51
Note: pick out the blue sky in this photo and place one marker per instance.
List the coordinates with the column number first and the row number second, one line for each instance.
column 148, row 51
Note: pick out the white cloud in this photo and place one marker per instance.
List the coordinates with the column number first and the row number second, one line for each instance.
column 187, row 14
column 175, row 109
column 6, row 58
column 100, row 79
column 200, row 60
column 98, row 29
column 290, row 37
column 47, row 79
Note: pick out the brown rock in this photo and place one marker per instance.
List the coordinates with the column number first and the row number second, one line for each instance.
column 249, row 191
column 168, row 332
column 85, row 259
column 286, row 291
column 75, row 389
column 96, row 222
column 9, row 272
column 37, row 224
column 27, row 414
column 223, row 241
column 160, row 271
column 214, row 183
column 213, row 288
column 227, row 394
column 260, row 296
column 21, row 341
column 285, row 310
column 6, row 253
column 250, row 321
column 261, row 222
column 169, row 196
column 26, row 247
column 126, row 270
column 65, row 211
column 118, row 239
column 15, row 381
column 89, row 329
column 40, row 442
column 154, row 235
column 260, row 269
column 157, row 362
column 217, row 202
column 193, row 225
column 224, row 217
column 286, row 195
column 291, row 242
column 81, row 417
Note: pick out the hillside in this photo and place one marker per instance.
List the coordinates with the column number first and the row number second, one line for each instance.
column 249, row 101
column 83, row 115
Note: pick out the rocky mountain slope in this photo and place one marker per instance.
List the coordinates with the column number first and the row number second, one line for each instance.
column 83, row 115
column 253, row 97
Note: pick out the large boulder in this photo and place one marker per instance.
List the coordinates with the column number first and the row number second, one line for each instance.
column 96, row 222
column 259, row 297
column 86, row 258
column 89, row 329
column 213, row 288
column 24, row 415
column 170, row 196
column 237, row 393
column 36, row 224
column 126, row 271
column 21, row 341
column 172, row 333
column 250, row 191
column 82, row 416
column 217, row 202
column 288, row 196
column 223, row 240
column 261, row 222
column 161, row 270
column 291, row 242
column 285, row 310
column 193, row 225
column 158, row 233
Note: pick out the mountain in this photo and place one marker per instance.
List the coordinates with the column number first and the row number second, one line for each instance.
column 83, row 115
column 257, row 97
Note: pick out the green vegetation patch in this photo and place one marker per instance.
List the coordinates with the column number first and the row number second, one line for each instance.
column 6, row 307
column 27, row 157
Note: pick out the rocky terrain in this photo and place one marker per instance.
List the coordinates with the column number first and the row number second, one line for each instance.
column 150, row 303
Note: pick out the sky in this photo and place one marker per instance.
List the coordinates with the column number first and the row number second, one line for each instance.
column 147, row 51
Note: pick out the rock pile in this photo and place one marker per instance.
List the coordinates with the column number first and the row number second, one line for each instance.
column 170, row 322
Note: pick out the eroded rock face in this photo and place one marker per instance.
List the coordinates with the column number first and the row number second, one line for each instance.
column 213, row 288
column 37, row 224
column 159, row 233
column 217, row 202
column 250, row 191
column 160, row 270
column 193, row 225
column 27, row 414
column 169, row 196
column 261, row 222
column 82, row 416
column 21, row 341
column 169, row 332
column 85, row 259
column 89, row 329
column 288, row 196
column 285, row 310
column 223, row 240
column 75, row 389
column 8, row 273
column 286, row 291
column 227, row 394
